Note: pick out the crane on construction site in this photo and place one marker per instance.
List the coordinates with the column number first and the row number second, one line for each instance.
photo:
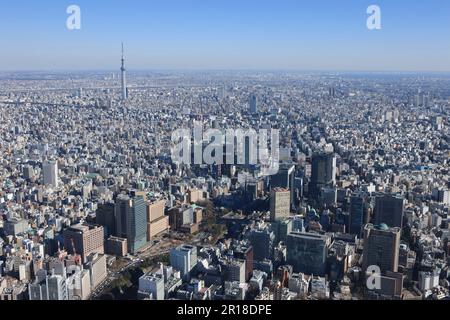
column 76, row 258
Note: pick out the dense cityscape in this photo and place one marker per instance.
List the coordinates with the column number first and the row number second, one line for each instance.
column 93, row 206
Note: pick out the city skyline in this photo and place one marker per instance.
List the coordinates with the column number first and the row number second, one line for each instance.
column 225, row 151
column 193, row 35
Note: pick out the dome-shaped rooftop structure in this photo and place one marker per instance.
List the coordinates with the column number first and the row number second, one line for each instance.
column 383, row 227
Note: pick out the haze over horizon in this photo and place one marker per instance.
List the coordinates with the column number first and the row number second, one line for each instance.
column 292, row 35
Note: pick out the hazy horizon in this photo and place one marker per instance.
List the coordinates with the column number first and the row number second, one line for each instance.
column 322, row 35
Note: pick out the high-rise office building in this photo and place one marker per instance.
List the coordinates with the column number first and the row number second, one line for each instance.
column 381, row 247
column 253, row 104
column 421, row 99
column 78, row 285
column 262, row 239
column 323, row 172
column 183, row 258
column 285, row 179
column 389, row 210
column 87, row 239
column 250, row 153
column 245, row 252
column 357, row 209
column 281, row 229
column 28, row 172
column 15, row 226
column 428, row 280
column 131, row 221
column 234, row 270
column 279, row 204
column 96, row 264
column 332, row 91
column 48, row 288
column 441, row 195
column 307, row 252
column 50, row 173
column 105, row 217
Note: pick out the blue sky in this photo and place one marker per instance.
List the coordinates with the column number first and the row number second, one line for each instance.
column 226, row 34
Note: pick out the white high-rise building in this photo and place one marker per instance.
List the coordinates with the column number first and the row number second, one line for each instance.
column 428, row 280
column 48, row 288
column 50, row 172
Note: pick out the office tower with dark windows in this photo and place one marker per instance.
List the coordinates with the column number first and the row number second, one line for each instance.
column 28, row 172
column 137, row 225
column 250, row 153
column 131, row 221
column 441, row 195
column 122, row 210
column 307, row 252
column 105, row 216
column 381, row 247
column 253, row 104
column 262, row 239
column 323, row 172
column 357, row 216
column 389, row 210
column 285, row 179
column 332, row 92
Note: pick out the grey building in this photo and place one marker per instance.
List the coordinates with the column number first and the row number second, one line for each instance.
column 50, row 288
column 253, row 104
column 381, row 247
column 262, row 240
column 357, row 208
column 152, row 284
column 323, row 172
column 15, row 226
column 389, row 210
column 183, row 258
column 307, row 252
column 105, row 216
column 50, row 173
column 234, row 270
